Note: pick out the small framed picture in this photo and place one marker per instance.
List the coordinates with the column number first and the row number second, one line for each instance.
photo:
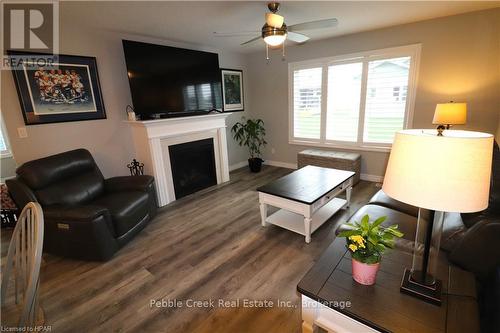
column 232, row 89
column 68, row 90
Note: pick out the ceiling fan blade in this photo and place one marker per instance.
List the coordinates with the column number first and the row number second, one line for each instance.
column 274, row 20
column 296, row 37
column 320, row 24
column 234, row 34
column 251, row 40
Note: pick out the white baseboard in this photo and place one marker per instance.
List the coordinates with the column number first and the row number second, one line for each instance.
column 372, row 178
column 364, row 176
column 281, row 164
column 238, row 165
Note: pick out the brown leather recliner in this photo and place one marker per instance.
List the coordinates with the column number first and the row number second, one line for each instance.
column 86, row 216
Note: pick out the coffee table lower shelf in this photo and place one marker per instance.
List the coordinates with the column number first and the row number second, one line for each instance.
column 295, row 222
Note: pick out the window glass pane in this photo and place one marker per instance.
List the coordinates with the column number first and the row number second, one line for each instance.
column 385, row 107
column 344, row 89
column 307, row 103
column 3, row 145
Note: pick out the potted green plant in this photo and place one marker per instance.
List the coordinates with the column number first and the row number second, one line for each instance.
column 250, row 133
column 367, row 241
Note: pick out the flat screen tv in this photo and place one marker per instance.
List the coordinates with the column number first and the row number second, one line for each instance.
column 171, row 82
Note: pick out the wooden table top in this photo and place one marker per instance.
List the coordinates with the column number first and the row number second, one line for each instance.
column 307, row 184
column 382, row 306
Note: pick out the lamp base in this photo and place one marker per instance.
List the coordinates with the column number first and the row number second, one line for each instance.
column 430, row 293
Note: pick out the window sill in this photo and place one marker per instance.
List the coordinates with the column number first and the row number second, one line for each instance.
column 380, row 149
column 5, row 155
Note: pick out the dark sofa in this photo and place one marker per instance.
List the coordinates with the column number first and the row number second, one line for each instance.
column 86, row 216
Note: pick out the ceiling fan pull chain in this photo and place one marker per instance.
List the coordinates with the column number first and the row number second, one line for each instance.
column 283, row 55
column 267, row 53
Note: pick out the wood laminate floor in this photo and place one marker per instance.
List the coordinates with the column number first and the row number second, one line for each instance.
column 208, row 246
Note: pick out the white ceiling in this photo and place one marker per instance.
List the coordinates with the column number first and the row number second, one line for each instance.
column 195, row 22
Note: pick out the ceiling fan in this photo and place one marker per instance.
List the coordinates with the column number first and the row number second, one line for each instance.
column 275, row 31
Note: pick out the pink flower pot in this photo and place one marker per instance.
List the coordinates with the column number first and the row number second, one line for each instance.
column 364, row 273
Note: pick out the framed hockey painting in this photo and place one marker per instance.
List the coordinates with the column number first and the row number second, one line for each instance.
column 67, row 89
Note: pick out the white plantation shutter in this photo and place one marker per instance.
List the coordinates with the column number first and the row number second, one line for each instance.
column 362, row 101
column 344, row 91
column 307, row 103
column 385, row 109
column 4, row 149
column 3, row 146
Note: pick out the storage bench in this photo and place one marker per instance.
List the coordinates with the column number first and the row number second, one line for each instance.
column 331, row 159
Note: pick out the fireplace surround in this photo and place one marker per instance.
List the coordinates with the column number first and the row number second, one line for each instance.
column 153, row 139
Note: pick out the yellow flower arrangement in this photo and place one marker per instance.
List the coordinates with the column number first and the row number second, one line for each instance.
column 368, row 240
column 359, row 240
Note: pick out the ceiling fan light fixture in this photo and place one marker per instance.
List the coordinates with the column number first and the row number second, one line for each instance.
column 275, row 20
column 274, row 36
column 275, row 40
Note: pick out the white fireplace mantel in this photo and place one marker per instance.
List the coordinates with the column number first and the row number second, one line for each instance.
column 152, row 138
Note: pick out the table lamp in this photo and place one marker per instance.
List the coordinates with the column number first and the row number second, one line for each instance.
column 448, row 114
column 443, row 173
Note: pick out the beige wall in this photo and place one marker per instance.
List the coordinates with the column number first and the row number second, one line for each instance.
column 460, row 61
column 109, row 140
column 498, row 130
column 7, row 168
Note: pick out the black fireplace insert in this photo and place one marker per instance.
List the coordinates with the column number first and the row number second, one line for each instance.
column 193, row 166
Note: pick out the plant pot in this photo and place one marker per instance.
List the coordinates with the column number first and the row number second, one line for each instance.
column 255, row 164
column 364, row 273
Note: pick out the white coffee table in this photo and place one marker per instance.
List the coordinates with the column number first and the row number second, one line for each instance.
column 307, row 198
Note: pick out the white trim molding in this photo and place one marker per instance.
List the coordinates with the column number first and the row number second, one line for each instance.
column 238, row 165
column 281, row 164
column 152, row 139
column 372, row 178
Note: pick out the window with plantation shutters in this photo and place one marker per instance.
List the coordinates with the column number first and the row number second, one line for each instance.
column 355, row 101
column 344, row 91
column 385, row 110
column 307, row 103
column 4, row 146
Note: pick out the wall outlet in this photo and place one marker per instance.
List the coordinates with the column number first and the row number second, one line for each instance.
column 22, row 133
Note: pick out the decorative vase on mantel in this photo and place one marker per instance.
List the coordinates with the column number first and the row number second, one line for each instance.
column 367, row 241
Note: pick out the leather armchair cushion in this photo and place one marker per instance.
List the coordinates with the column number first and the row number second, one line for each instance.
column 382, row 199
column 126, row 208
column 78, row 214
column 73, row 213
column 75, row 190
column 40, row 173
column 21, row 193
column 128, row 183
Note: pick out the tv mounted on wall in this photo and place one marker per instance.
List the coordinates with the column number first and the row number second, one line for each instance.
column 171, row 82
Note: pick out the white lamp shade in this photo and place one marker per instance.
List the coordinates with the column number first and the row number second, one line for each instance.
column 450, row 114
column 449, row 173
